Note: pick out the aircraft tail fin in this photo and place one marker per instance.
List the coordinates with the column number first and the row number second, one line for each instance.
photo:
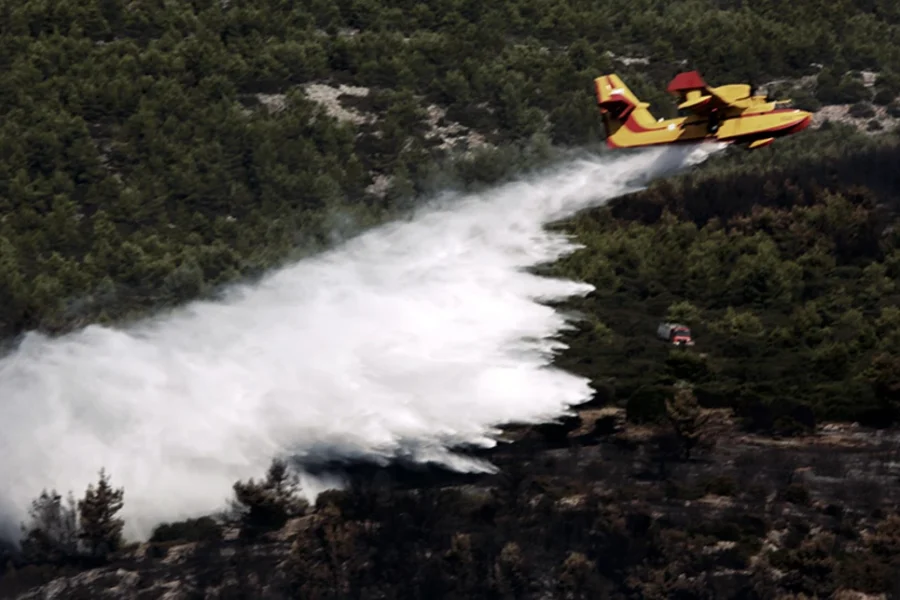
column 614, row 97
column 619, row 106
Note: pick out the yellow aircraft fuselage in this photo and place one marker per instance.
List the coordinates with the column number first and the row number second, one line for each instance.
column 727, row 113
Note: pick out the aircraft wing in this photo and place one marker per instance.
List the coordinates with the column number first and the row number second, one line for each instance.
column 695, row 95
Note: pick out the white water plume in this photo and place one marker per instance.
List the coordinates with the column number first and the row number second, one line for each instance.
column 408, row 339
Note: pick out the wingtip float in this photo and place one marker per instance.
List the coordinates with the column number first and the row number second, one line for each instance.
column 728, row 113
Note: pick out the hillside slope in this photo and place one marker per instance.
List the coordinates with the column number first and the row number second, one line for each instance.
column 153, row 151
column 607, row 512
column 786, row 267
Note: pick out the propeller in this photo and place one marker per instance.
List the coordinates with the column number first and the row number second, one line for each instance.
column 754, row 89
column 769, row 97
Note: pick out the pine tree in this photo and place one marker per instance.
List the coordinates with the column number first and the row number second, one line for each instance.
column 99, row 528
column 687, row 419
column 268, row 504
column 52, row 534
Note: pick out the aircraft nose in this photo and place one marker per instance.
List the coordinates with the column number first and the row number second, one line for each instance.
column 804, row 121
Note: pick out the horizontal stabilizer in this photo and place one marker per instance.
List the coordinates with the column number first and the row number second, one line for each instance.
column 696, row 102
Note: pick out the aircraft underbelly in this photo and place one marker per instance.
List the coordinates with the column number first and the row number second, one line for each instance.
column 746, row 125
column 756, row 124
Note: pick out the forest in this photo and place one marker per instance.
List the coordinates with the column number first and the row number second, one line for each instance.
column 786, row 271
column 144, row 163
column 140, row 168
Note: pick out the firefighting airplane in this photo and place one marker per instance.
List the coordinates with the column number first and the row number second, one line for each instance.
column 728, row 113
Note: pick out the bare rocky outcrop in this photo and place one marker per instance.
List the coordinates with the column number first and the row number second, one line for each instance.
column 329, row 97
column 841, row 113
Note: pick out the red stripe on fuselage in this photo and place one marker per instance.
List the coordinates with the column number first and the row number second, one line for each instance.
column 634, row 127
